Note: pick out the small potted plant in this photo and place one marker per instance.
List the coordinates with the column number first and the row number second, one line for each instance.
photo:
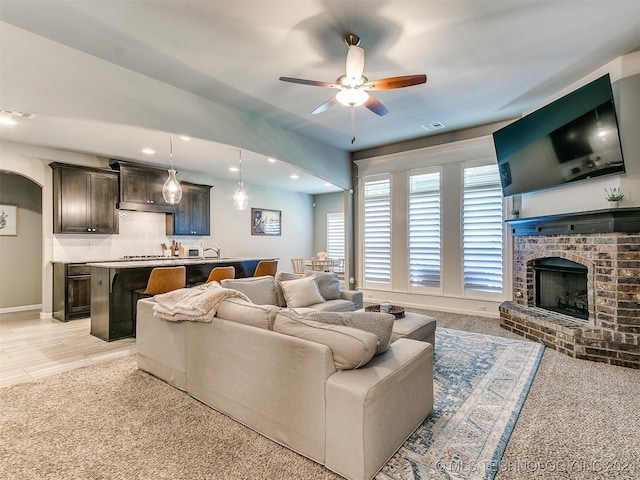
column 614, row 196
column 515, row 212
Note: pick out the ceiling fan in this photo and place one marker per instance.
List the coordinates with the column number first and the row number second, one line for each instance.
column 354, row 86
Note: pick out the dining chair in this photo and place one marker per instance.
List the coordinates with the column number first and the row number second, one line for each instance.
column 325, row 265
column 266, row 267
column 338, row 267
column 297, row 264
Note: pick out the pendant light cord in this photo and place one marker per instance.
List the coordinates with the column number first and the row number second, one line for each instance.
column 171, row 151
column 240, row 165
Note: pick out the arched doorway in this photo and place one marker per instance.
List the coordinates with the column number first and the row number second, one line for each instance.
column 21, row 274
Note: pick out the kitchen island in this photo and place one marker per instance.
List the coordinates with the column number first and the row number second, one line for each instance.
column 113, row 283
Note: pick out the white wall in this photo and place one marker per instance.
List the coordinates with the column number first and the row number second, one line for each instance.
column 141, row 233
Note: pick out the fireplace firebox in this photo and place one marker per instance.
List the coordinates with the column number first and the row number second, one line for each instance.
column 561, row 286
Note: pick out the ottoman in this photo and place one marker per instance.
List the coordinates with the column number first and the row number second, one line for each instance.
column 415, row 326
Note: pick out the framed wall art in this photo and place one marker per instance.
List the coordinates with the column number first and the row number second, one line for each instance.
column 266, row 222
column 8, row 219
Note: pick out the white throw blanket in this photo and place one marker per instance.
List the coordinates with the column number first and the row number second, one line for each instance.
column 196, row 304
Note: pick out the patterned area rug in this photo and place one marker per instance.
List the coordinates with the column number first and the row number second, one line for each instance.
column 480, row 384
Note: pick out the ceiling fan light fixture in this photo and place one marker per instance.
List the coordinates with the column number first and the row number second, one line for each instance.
column 171, row 190
column 352, row 97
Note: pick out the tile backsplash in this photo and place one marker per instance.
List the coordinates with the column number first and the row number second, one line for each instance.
column 141, row 233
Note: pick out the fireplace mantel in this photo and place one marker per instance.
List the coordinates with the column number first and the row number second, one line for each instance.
column 598, row 221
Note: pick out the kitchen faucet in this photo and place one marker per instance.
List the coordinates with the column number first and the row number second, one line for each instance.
column 216, row 249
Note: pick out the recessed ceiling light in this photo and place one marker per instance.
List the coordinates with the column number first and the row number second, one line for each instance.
column 7, row 121
column 233, row 169
column 327, row 184
column 271, row 160
column 185, row 138
column 148, row 151
column 294, row 177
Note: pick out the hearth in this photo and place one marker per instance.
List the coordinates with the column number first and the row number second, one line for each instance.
column 577, row 284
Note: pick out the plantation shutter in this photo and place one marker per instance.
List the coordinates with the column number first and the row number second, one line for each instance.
column 424, row 230
column 335, row 235
column 377, row 231
column 482, row 229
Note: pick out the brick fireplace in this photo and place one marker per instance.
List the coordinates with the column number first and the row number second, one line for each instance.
column 602, row 319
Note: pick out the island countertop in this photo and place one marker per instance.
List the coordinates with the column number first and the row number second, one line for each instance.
column 174, row 261
column 113, row 302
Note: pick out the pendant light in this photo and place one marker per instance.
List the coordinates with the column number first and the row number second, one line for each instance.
column 171, row 190
column 240, row 198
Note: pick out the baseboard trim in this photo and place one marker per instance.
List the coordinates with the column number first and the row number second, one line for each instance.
column 21, row 308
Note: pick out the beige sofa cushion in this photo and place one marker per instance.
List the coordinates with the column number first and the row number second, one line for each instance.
column 241, row 311
column 351, row 348
column 260, row 290
column 380, row 324
column 301, row 292
column 328, row 283
column 283, row 277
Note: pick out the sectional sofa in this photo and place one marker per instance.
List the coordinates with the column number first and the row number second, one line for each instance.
column 342, row 396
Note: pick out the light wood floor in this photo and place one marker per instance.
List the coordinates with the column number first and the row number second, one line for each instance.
column 32, row 348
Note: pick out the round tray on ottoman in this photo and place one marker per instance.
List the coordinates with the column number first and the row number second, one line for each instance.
column 394, row 310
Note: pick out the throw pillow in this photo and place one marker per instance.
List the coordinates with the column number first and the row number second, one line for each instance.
column 284, row 277
column 328, row 283
column 301, row 292
column 381, row 324
column 260, row 290
column 351, row 348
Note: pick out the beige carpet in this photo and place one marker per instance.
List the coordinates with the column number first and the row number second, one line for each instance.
column 111, row 421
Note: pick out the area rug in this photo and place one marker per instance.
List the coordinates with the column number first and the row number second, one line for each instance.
column 113, row 421
column 480, row 384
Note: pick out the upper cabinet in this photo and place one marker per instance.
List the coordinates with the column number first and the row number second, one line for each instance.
column 141, row 188
column 84, row 199
column 193, row 214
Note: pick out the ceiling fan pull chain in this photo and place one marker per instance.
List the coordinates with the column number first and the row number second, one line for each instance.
column 353, row 125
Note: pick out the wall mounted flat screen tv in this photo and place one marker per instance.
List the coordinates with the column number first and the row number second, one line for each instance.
column 572, row 139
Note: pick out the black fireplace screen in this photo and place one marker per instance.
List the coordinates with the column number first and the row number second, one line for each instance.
column 561, row 286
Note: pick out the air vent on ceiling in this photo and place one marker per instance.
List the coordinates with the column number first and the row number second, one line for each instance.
column 429, row 127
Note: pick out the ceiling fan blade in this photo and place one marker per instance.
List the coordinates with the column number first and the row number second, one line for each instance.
column 329, row 103
column 395, row 82
column 313, row 83
column 375, row 106
column 355, row 63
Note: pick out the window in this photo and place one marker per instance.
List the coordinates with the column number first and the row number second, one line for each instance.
column 482, row 229
column 424, row 230
column 377, row 231
column 335, row 235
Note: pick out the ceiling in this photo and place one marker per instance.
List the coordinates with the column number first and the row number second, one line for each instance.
column 486, row 61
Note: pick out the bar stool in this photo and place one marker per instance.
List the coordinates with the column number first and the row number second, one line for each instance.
column 220, row 273
column 161, row 280
column 266, row 267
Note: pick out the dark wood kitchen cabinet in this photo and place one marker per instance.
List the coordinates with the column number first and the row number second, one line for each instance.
column 193, row 213
column 84, row 199
column 141, row 188
column 71, row 291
